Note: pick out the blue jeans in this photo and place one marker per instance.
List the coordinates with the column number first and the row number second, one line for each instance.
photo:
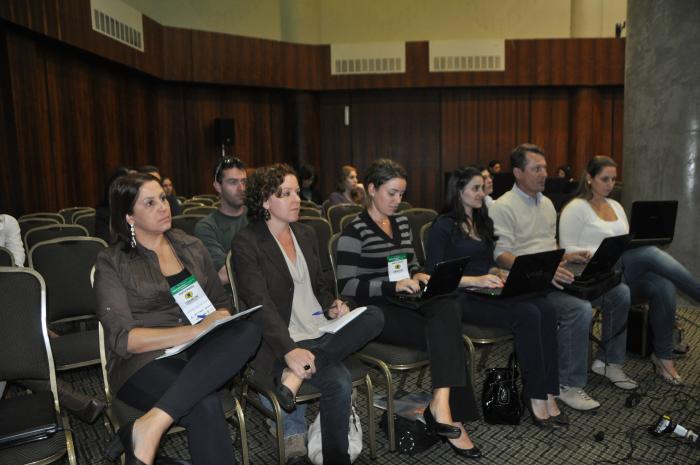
column 575, row 316
column 653, row 276
column 294, row 422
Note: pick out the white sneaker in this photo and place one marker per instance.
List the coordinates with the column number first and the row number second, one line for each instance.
column 614, row 373
column 576, row 398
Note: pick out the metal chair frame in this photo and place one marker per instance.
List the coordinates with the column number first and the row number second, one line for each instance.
column 53, row 226
column 8, row 255
column 82, row 212
column 43, row 215
column 334, row 220
column 67, row 213
column 202, row 210
column 62, row 417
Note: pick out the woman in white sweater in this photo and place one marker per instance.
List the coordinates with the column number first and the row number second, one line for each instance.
column 652, row 274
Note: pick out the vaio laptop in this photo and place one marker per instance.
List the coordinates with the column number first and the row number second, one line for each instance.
column 603, row 260
column 530, row 273
column 445, row 279
column 27, row 418
column 653, row 222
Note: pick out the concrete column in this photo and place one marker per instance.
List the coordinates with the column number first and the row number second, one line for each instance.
column 662, row 114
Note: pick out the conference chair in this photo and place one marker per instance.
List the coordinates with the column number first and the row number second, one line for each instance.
column 204, row 210
column 186, row 222
column 25, row 353
column 211, row 197
column 192, row 203
column 323, row 234
column 25, row 224
column 6, row 257
column 52, row 231
column 253, row 385
column 336, row 212
column 86, row 220
column 387, row 358
column 344, row 221
column 83, row 211
column 403, row 206
column 65, row 265
column 206, row 200
column 417, row 218
column 55, row 216
column 307, row 211
column 310, row 204
column 67, row 213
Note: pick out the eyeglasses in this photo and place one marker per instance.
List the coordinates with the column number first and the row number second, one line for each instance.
column 226, row 163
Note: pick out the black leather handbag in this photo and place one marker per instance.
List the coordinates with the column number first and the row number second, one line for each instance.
column 411, row 435
column 500, row 400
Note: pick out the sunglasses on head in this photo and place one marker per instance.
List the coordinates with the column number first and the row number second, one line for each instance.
column 226, row 163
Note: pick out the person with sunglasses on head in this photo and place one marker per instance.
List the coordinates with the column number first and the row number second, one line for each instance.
column 217, row 230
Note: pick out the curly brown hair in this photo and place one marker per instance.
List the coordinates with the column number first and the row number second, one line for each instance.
column 263, row 183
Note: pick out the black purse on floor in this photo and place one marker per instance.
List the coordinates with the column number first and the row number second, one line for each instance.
column 500, row 400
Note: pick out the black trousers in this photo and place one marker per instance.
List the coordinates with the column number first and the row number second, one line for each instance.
column 334, row 380
column 533, row 321
column 185, row 388
column 435, row 328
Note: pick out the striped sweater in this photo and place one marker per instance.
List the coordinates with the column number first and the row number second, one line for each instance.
column 362, row 254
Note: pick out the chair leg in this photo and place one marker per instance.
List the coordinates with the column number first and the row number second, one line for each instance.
column 485, row 352
column 421, row 376
column 371, row 422
column 242, row 432
column 402, row 382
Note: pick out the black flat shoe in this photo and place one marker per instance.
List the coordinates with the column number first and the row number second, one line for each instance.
column 441, row 429
column 562, row 419
column 473, row 453
column 544, row 423
column 285, row 396
column 125, row 434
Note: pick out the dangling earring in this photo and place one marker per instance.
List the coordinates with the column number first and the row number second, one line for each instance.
column 133, row 235
column 266, row 215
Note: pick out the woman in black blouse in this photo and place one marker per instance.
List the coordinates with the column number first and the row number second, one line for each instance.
column 465, row 229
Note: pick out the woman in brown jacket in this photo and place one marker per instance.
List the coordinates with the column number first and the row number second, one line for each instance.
column 157, row 288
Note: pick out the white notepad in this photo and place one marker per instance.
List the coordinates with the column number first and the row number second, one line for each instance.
column 340, row 323
column 177, row 349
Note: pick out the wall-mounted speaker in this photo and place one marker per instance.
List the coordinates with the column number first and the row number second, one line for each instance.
column 224, row 131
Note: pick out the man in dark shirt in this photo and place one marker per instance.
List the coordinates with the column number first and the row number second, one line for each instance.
column 218, row 229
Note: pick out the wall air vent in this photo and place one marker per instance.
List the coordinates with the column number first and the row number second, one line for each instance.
column 119, row 21
column 467, row 55
column 368, row 58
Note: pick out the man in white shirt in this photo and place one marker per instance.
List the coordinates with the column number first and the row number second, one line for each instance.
column 525, row 222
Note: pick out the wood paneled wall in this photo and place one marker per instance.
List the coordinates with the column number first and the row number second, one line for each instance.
column 76, row 104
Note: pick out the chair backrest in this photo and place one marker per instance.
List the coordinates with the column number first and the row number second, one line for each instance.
column 86, row 220
column 309, row 204
column 67, row 213
column 417, row 217
column 66, row 264
column 403, row 206
column 192, row 203
column 212, row 197
column 25, row 352
column 186, row 222
column 206, row 201
column 332, row 256
column 424, row 230
column 232, row 282
column 26, row 224
column 336, row 212
column 323, row 234
column 82, row 212
column 307, row 211
column 54, row 216
column 52, row 231
column 198, row 210
column 6, row 257
column 344, row 221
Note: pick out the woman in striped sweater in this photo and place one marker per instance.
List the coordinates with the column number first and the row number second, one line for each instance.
column 365, row 249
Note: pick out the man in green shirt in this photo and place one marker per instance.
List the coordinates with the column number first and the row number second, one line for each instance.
column 219, row 227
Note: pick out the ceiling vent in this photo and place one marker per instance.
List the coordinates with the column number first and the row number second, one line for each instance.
column 119, row 21
column 467, row 55
column 368, row 58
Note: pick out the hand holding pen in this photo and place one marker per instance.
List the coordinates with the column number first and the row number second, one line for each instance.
column 337, row 309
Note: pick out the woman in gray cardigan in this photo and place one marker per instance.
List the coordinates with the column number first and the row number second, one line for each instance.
column 157, row 288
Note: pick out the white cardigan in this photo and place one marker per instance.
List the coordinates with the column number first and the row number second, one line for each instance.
column 580, row 228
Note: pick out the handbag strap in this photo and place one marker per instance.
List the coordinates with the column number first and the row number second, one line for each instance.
column 513, row 366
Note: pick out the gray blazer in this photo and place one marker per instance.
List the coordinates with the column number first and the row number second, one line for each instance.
column 133, row 293
column 262, row 277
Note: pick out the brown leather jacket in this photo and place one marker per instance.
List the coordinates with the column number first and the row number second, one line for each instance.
column 262, row 277
column 133, row 293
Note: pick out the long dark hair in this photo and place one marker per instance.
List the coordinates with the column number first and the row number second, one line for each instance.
column 122, row 197
column 454, row 209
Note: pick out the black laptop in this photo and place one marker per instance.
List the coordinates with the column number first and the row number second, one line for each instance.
column 444, row 280
column 27, row 418
column 653, row 222
column 603, row 260
column 530, row 273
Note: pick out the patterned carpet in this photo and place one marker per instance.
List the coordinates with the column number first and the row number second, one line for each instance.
column 625, row 437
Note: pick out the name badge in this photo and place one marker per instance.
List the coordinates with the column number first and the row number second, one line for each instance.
column 191, row 298
column 398, row 267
